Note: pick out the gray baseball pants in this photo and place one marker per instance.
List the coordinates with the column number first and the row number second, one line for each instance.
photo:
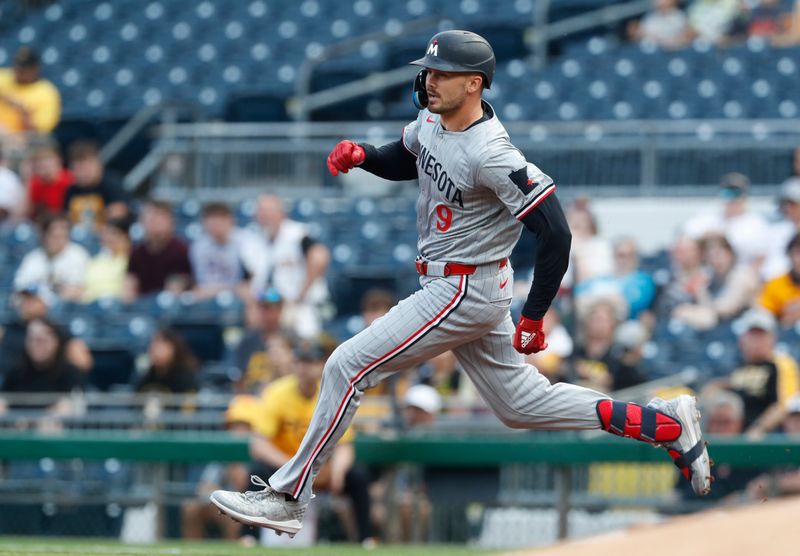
column 467, row 314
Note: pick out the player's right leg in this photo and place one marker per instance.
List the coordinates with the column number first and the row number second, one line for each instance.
column 432, row 320
column 522, row 398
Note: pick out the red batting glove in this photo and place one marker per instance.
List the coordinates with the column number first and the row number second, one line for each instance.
column 529, row 337
column 344, row 156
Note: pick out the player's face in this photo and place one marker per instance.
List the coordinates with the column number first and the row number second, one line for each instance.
column 447, row 90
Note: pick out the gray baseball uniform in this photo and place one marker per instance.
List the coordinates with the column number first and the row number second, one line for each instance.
column 470, row 198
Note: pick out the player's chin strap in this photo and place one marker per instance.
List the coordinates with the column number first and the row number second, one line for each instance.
column 419, row 96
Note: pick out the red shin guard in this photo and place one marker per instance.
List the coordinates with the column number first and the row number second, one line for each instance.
column 635, row 421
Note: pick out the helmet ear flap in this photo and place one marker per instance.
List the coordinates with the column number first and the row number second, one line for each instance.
column 420, row 96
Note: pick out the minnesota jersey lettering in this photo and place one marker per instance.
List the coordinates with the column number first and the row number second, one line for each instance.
column 428, row 164
column 482, row 178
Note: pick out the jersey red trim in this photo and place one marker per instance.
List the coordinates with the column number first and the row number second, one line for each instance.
column 408, row 342
column 533, row 203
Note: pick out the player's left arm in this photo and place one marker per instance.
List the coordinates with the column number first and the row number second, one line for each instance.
column 552, row 232
column 529, row 194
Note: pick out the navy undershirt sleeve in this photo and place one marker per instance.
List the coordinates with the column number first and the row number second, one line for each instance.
column 391, row 161
column 548, row 223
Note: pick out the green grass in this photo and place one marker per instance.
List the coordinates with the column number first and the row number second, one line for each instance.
column 13, row 546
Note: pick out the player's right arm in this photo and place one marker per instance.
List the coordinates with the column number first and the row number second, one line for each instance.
column 396, row 161
column 391, row 161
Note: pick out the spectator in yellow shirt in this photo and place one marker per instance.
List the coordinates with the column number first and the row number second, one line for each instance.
column 27, row 101
column 765, row 378
column 781, row 296
column 106, row 272
column 284, row 415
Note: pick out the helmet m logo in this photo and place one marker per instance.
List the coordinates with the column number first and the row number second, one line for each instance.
column 433, row 49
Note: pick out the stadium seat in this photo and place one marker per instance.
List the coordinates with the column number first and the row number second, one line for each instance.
column 205, row 339
column 113, row 366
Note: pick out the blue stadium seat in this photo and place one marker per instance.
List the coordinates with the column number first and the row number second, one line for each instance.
column 204, row 338
column 113, row 367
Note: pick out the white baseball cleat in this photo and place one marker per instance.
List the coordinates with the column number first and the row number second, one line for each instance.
column 262, row 508
column 689, row 450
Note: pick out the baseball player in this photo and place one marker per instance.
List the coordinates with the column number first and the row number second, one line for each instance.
column 476, row 191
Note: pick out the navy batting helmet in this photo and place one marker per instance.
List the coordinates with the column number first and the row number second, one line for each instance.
column 460, row 51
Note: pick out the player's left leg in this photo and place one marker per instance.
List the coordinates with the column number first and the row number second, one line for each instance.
column 522, row 398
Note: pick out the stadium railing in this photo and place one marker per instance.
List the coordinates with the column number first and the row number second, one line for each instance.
column 544, row 470
column 685, row 157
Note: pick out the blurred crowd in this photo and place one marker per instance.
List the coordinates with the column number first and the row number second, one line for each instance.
column 673, row 24
column 728, row 269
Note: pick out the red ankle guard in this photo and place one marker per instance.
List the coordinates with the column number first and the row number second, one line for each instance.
column 635, row 421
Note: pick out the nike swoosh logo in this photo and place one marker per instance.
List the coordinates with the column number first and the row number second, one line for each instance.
column 430, row 120
column 503, row 283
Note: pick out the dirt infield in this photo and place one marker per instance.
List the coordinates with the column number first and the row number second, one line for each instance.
column 767, row 529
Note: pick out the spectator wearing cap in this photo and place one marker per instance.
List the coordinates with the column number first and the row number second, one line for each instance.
column 765, row 378
column 285, row 256
column 197, row 515
column 28, row 102
column 781, row 296
column 48, row 182
column 747, row 231
column 12, row 196
column 421, row 406
column 216, row 256
column 105, row 273
column 264, row 353
column 161, row 260
column 783, row 230
column 95, row 194
column 287, row 406
column 58, row 264
column 728, row 291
